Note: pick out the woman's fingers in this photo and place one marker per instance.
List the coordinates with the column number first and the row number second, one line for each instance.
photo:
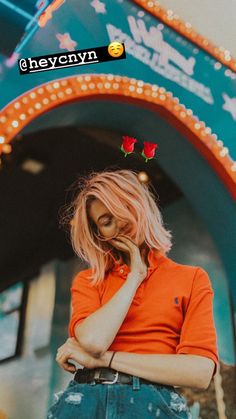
column 120, row 245
column 125, row 244
column 119, row 241
column 132, row 247
column 136, row 262
column 126, row 239
column 68, row 366
column 62, row 359
column 71, row 367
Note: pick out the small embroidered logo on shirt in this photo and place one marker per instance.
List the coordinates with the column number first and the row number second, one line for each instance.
column 176, row 300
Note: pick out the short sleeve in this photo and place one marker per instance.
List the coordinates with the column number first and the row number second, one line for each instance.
column 84, row 301
column 198, row 334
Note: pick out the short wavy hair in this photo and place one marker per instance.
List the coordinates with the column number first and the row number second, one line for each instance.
column 127, row 199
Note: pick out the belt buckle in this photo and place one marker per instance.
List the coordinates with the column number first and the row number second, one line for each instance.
column 114, row 381
column 97, row 377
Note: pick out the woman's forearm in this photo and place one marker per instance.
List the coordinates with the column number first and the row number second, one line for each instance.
column 96, row 333
column 176, row 370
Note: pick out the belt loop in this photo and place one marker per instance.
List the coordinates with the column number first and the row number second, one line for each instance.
column 136, row 383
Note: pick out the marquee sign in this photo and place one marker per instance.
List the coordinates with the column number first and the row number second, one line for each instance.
column 155, row 53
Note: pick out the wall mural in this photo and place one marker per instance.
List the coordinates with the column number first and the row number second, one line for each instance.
column 155, row 54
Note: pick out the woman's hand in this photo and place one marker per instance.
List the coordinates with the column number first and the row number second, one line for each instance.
column 137, row 265
column 72, row 350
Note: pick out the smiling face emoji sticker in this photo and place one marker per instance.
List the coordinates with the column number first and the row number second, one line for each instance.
column 115, row 49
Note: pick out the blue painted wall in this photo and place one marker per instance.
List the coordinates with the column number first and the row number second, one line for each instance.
column 155, row 54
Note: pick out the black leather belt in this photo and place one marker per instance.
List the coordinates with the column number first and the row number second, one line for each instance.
column 106, row 375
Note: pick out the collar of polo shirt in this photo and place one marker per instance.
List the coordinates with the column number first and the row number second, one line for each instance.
column 155, row 258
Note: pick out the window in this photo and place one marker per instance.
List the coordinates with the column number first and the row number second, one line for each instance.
column 12, row 314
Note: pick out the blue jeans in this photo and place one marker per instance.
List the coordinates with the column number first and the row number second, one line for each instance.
column 119, row 401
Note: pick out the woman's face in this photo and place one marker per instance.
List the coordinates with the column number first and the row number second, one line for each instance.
column 108, row 226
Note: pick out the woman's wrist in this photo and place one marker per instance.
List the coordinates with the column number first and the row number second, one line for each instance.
column 104, row 359
column 135, row 278
column 110, row 366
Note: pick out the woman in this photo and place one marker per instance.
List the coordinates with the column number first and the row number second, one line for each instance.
column 141, row 323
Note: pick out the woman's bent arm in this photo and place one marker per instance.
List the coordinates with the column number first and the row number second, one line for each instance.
column 176, row 370
column 96, row 333
column 170, row 369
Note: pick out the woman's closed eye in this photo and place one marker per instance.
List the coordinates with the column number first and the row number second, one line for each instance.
column 107, row 223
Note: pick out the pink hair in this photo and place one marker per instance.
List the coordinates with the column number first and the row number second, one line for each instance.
column 127, row 199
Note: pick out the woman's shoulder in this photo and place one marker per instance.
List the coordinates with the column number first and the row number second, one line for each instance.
column 174, row 264
column 82, row 276
column 186, row 272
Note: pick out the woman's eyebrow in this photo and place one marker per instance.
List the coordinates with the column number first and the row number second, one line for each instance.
column 103, row 215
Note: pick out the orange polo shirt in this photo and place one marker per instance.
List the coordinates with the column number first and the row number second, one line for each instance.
column 171, row 312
